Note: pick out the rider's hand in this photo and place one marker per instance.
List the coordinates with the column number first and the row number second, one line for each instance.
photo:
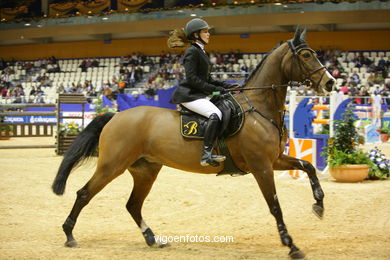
column 222, row 90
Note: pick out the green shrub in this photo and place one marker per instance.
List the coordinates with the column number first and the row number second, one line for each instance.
column 343, row 148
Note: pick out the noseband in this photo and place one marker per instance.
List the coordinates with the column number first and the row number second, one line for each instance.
column 306, row 74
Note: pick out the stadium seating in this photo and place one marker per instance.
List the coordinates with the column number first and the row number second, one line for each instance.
column 109, row 67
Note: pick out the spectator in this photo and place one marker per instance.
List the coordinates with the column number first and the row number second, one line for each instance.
column 353, row 90
column 377, row 90
column 336, row 73
column 4, row 92
column 344, row 89
column 386, row 95
column 379, row 78
column 355, row 78
column 83, row 66
column 95, row 63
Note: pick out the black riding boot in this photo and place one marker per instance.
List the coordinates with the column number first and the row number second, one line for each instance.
column 209, row 138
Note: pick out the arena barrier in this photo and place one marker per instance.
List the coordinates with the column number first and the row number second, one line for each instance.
column 36, row 126
column 39, row 123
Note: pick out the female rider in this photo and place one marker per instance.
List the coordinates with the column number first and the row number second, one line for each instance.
column 193, row 92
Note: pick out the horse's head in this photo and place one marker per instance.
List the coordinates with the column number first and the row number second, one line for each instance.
column 305, row 65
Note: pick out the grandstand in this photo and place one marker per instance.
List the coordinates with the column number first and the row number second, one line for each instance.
column 70, row 74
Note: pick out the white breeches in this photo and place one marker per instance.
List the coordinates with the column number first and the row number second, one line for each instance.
column 203, row 107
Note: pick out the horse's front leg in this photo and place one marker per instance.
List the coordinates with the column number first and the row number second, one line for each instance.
column 265, row 178
column 285, row 162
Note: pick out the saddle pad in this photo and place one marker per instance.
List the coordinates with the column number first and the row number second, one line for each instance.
column 193, row 126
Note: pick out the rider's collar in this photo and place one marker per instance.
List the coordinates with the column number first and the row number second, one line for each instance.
column 201, row 46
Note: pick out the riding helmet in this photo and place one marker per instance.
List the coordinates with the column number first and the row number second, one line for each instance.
column 195, row 25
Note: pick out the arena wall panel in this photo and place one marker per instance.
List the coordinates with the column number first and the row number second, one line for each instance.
column 344, row 40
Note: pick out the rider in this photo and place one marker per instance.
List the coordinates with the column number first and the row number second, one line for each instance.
column 193, row 92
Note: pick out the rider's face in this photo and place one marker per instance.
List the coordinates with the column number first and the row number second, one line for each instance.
column 205, row 35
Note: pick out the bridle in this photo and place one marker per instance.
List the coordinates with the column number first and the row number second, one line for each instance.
column 306, row 75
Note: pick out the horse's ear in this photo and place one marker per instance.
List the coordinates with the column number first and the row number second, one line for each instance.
column 303, row 36
column 297, row 35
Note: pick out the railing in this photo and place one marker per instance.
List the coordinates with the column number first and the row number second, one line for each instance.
column 35, row 129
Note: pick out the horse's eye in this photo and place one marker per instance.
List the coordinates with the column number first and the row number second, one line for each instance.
column 306, row 55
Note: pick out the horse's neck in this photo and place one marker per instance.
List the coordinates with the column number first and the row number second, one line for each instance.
column 269, row 101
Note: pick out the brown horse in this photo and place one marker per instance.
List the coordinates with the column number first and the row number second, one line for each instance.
column 130, row 140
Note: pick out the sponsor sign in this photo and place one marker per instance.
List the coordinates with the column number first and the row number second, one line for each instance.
column 88, row 116
column 304, row 149
column 30, row 119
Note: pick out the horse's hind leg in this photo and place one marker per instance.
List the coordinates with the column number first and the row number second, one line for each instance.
column 286, row 162
column 265, row 180
column 105, row 173
column 144, row 174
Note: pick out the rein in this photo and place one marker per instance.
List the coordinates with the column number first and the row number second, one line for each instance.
column 289, row 84
column 252, row 108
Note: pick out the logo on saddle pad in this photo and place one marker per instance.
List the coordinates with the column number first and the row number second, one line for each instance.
column 190, row 128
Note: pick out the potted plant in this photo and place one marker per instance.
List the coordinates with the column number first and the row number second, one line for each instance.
column 347, row 162
column 4, row 134
column 66, row 134
column 384, row 133
column 70, row 128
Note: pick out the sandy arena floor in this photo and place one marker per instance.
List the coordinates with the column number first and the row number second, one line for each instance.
column 356, row 223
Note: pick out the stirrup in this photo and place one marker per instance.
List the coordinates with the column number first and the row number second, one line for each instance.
column 208, row 161
column 207, row 157
column 218, row 158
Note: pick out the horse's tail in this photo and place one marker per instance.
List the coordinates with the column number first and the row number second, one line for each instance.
column 83, row 147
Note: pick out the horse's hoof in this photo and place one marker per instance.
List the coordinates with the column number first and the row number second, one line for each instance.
column 318, row 211
column 71, row 243
column 297, row 254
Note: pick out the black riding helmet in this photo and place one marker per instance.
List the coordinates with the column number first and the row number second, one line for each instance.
column 194, row 26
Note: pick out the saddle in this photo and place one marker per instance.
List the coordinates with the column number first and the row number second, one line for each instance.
column 193, row 125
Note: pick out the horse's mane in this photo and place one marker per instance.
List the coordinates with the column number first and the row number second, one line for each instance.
column 261, row 63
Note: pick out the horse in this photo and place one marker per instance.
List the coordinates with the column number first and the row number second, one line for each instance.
column 129, row 140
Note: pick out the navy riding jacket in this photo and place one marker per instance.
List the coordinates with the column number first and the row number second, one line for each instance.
column 198, row 82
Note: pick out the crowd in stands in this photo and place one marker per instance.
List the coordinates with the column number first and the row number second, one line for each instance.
column 357, row 74
column 11, row 87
